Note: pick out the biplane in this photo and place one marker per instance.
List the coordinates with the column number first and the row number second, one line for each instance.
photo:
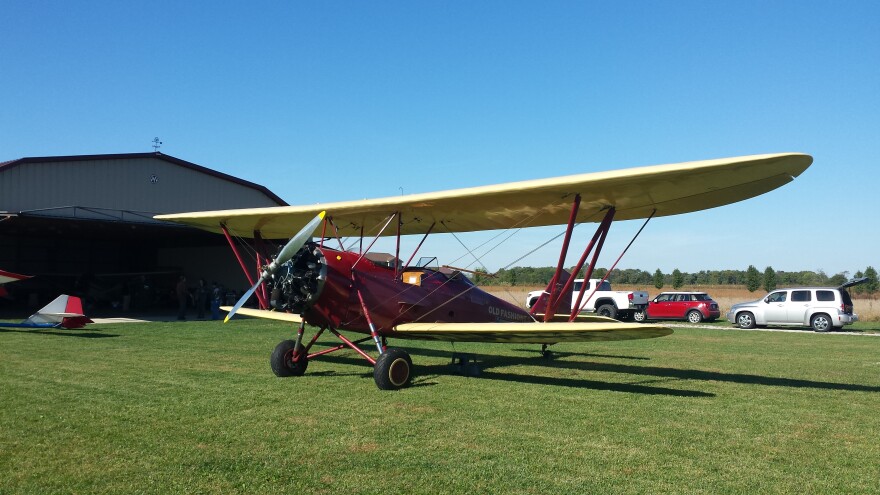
column 315, row 280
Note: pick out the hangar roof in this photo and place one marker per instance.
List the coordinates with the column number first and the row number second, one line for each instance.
column 130, row 187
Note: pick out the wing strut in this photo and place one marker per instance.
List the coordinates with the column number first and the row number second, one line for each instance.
column 237, row 254
column 420, row 245
column 577, row 307
column 363, row 253
column 600, row 235
column 553, row 304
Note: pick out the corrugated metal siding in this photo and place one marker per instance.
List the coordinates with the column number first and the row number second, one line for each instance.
column 121, row 184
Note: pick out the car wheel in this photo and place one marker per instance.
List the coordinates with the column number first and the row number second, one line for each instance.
column 607, row 310
column 640, row 316
column 694, row 316
column 821, row 322
column 745, row 320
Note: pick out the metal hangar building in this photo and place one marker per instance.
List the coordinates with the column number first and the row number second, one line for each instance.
column 84, row 225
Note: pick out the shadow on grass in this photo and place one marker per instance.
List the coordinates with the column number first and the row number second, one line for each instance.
column 69, row 333
column 489, row 365
column 690, row 374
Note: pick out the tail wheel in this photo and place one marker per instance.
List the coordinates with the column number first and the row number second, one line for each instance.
column 393, row 370
column 285, row 363
column 695, row 316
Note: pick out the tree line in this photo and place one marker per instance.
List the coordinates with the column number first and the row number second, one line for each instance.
column 752, row 278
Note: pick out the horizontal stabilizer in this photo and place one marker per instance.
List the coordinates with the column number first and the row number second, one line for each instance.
column 534, row 333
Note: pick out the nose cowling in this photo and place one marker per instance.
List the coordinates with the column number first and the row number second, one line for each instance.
column 298, row 283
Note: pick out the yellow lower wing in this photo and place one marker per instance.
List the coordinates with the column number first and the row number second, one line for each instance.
column 262, row 313
column 534, row 333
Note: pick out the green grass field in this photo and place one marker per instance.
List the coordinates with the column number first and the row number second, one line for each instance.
column 193, row 408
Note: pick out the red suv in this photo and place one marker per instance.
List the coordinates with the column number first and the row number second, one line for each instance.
column 691, row 306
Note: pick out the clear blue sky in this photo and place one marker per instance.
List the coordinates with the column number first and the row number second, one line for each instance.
column 329, row 101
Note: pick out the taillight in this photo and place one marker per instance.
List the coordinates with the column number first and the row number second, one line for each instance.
column 630, row 296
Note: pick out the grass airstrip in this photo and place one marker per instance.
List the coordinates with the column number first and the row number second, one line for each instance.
column 193, row 408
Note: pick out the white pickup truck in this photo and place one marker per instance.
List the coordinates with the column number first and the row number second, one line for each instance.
column 618, row 304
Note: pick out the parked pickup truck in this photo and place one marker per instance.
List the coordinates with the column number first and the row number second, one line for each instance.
column 618, row 304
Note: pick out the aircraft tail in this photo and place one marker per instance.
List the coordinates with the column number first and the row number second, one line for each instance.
column 65, row 312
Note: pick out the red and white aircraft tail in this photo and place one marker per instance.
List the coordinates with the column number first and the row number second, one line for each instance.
column 64, row 312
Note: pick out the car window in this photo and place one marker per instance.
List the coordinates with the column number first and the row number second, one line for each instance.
column 800, row 296
column 702, row 297
column 682, row 297
column 606, row 285
column 777, row 297
column 577, row 286
column 824, row 295
column 663, row 298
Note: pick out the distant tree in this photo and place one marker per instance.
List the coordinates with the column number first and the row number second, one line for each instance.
column 753, row 278
column 769, row 279
column 871, row 284
column 481, row 276
column 658, row 279
column 677, row 279
column 838, row 279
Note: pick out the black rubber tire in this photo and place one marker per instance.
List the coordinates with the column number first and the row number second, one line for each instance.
column 694, row 316
column 393, row 370
column 745, row 320
column 608, row 310
column 821, row 322
column 640, row 316
column 282, row 361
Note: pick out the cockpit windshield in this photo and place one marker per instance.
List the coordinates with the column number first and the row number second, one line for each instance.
column 429, row 262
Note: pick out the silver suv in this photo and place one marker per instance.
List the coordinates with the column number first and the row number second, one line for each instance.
column 821, row 308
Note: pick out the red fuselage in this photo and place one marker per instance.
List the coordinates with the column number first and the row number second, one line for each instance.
column 413, row 295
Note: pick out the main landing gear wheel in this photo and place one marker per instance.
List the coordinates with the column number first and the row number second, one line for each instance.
column 283, row 363
column 393, row 370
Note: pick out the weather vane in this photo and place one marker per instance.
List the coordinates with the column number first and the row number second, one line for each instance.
column 156, row 144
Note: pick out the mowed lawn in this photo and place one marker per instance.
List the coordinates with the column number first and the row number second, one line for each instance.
column 194, row 408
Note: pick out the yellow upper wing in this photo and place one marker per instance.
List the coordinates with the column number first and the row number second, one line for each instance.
column 634, row 192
